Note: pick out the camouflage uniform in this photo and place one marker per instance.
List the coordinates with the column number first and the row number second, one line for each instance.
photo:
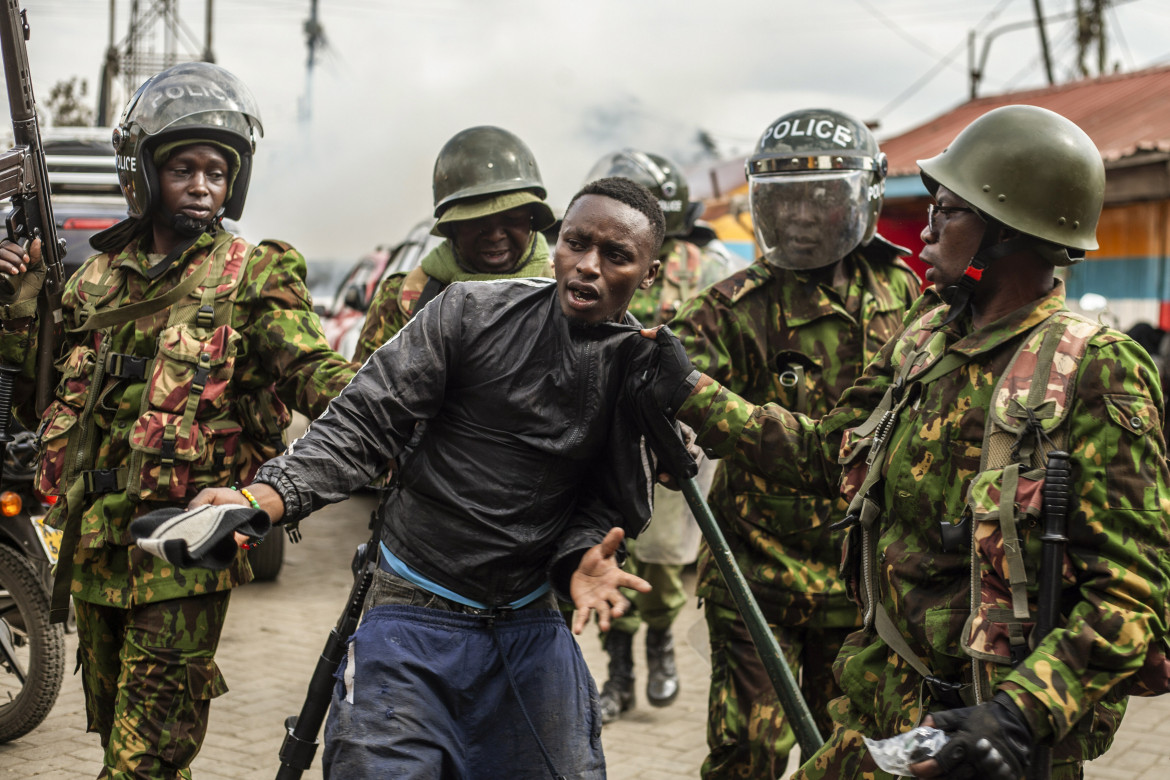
column 777, row 335
column 1116, row 577
column 148, row 630
column 395, row 301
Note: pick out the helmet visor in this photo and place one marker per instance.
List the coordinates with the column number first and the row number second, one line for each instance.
column 805, row 221
column 187, row 97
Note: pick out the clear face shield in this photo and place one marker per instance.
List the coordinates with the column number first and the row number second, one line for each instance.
column 195, row 95
column 810, row 220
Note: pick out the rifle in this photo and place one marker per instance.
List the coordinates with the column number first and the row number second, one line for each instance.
column 300, row 740
column 24, row 177
column 1057, row 492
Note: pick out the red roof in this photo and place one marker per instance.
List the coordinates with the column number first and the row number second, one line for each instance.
column 1123, row 114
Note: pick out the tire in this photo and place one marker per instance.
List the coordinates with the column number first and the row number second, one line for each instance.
column 39, row 647
column 268, row 558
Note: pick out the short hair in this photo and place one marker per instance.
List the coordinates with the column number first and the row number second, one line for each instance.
column 632, row 194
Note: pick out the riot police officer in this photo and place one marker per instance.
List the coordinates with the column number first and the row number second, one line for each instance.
column 796, row 327
column 994, row 407
column 183, row 347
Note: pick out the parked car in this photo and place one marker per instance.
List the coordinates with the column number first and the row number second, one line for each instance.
column 344, row 320
column 323, row 278
column 84, row 187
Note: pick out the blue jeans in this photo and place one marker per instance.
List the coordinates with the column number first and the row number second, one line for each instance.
column 424, row 693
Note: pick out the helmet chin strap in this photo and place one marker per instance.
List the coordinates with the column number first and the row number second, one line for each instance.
column 958, row 295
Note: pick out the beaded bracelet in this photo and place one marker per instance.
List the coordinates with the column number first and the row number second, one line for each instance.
column 255, row 505
column 251, row 498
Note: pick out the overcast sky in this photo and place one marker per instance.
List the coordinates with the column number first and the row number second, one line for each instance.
column 573, row 78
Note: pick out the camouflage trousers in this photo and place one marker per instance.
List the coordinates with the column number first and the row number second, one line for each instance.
column 747, row 733
column 149, row 675
column 658, row 608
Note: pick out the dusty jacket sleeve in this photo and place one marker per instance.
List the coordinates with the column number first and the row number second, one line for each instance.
column 1118, row 542
column 367, row 425
column 283, row 341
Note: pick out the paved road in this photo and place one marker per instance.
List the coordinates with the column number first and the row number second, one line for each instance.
column 275, row 632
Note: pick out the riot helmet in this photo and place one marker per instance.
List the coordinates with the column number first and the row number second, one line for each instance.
column 1030, row 169
column 816, row 182
column 663, row 178
column 192, row 100
column 484, row 170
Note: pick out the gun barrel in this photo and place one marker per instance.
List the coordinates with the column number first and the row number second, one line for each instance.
column 16, row 69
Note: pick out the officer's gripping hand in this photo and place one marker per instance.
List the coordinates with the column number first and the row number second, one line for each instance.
column 596, row 582
column 14, row 260
column 22, row 274
column 991, row 741
column 669, row 375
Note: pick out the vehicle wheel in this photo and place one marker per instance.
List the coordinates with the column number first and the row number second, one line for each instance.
column 267, row 559
column 29, row 646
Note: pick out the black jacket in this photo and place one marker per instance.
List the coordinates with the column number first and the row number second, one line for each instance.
column 527, row 459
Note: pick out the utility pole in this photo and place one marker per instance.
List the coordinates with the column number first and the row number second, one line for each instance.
column 314, row 37
column 1043, row 41
column 137, row 56
column 1091, row 27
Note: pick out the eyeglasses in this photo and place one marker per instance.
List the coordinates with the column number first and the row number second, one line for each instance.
column 945, row 211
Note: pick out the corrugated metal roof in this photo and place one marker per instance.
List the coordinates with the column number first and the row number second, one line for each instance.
column 1124, row 114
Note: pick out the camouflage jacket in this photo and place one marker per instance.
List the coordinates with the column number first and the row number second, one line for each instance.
column 396, row 298
column 777, row 336
column 268, row 352
column 1117, row 576
column 686, row 269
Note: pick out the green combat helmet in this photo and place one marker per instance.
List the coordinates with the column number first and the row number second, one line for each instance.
column 196, row 100
column 485, row 170
column 817, row 180
column 662, row 177
column 1030, row 169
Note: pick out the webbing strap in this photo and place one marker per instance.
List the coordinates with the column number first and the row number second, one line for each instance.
column 895, row 641
column 118, row 315
column 78, row 460
column 99, row 481
column 1017, row 574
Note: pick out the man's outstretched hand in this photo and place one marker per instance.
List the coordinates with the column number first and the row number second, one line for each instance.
column 268, row 499
column 595, row 583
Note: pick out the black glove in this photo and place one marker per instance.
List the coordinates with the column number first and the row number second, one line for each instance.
column 672, row 377
column 659, row 378
column 991, row 741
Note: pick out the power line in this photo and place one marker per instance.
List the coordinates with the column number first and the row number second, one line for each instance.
column 924, row 79
column 913, row 40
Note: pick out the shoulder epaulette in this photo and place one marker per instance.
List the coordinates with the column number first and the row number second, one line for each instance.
column 283, row 246
column 740, row 283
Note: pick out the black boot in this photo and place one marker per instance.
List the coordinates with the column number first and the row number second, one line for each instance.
column 617, row 695
column 662, row 686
